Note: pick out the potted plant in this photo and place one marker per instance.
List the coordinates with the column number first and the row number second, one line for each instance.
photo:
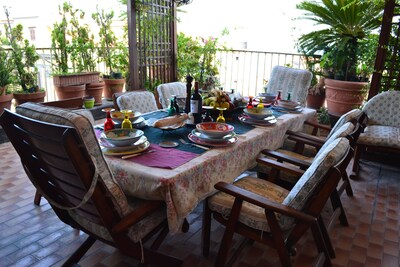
column 344, row 25
column 6, row 95
column 113, row 53
column 24, row 73
column 72, row 46
column 316, row 91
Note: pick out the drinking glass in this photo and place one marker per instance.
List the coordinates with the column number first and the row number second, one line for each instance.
column 221, row 117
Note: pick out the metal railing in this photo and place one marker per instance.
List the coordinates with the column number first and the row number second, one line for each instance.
column 243, row 71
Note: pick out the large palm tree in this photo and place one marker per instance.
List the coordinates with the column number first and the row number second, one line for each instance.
column 344, row 23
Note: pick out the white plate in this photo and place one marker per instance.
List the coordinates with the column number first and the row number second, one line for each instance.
column 133, row 150
column 168, row 144
column 298, row 109
column 110, row 147
column 213, row 140
column 199, row 141
column 268, row 121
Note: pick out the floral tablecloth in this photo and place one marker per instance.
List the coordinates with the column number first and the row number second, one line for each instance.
column 182, row 188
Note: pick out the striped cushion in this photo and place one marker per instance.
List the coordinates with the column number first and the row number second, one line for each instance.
column 141, row 101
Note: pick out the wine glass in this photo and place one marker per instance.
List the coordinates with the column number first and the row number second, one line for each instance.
column 221, row 117
column 208, row 117
column 126, row 123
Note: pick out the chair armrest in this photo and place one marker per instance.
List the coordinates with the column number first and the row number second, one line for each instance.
column 137, row 215
column 317, row 143
column 263, row 202
column 305, row 136
column 318, row 125
column 286, row 158
column 280, row 166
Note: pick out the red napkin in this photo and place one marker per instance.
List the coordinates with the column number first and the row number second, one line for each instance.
column 166, row 158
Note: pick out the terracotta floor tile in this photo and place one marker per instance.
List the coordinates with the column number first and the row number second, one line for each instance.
column 34, row 236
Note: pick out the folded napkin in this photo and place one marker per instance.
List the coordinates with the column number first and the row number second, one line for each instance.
column 166, row 158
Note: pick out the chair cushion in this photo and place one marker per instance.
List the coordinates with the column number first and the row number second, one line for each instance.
column 290, row 80
column 83, row 126
column 383, row 109
column 167, row 90
column 251, row 215
column 377, row 135
column 141, row 101
column 313, row 176
column 136, row 232
column 352, row 114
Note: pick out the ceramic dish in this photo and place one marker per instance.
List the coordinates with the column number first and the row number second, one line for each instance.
column 122, row 137
column 298, row 109
column 199, row 141
column 214, row 129
column 287, row 104
column 168, row 144
column 133, row 150
column 258, row 113
column 271, row 120
column 206, row 138
column 119, row 116
column 106, row 144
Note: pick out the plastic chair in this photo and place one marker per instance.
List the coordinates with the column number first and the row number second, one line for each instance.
column 63, row 160
column 290, row 80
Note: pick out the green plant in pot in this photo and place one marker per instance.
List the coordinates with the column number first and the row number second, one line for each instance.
column 6, row 95
column 72, row 45
column 344, row 25
column 24, row 72
column 112, row 52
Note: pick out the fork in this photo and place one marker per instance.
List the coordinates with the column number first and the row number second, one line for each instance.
column 199, row 146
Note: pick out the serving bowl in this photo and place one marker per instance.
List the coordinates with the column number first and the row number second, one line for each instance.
column 214, row 129
column 119, row 116
column 268, row 97
column 287, row 104
column 257, row 113
column 122, row 137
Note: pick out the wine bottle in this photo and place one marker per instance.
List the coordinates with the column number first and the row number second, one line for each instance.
column 189, row 80
column 196, row 104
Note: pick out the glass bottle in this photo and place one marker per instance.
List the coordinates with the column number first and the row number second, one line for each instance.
column 108, row 123
column 176, row 105
column 196, row 104
column 126, row 123
column 278, row 97
column 171, row 109
column 250, row 103
column 288, row 96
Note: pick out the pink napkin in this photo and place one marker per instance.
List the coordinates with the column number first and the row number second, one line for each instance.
column 166, row 158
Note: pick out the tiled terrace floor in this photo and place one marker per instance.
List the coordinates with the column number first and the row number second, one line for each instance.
column 33, row 236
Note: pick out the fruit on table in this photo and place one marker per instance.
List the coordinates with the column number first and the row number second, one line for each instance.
column 218, row 99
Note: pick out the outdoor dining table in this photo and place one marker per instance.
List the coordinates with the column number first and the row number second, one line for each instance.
column 187, row 174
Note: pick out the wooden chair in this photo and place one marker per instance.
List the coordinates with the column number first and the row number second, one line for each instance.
column 165, row 91
column 80, row 188
column 267, row 213
column 381, row 132
column 290, row 80
column 141, row 101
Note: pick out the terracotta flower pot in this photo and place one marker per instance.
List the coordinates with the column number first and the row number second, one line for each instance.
column 112, row 86
column 95, row 90
column 5, row 100
column 70, row 91
column 315, row 101
column 343, row 96
column 36, row 97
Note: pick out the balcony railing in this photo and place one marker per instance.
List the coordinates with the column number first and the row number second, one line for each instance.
column 241, row 70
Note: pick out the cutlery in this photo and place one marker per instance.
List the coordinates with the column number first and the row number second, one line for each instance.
column 137, row 154
column 199, row 146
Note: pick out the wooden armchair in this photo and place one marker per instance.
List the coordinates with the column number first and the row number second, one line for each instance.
column 267, row 213
column 382, row 130
column 60, row 154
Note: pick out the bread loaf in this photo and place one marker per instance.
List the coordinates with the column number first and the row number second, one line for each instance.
column 170, row 121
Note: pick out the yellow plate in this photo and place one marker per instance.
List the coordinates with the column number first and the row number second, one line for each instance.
column 137, row 149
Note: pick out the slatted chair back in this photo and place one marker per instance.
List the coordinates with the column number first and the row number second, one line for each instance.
column 78, row 185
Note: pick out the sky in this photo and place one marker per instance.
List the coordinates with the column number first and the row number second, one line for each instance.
column 263, row 25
